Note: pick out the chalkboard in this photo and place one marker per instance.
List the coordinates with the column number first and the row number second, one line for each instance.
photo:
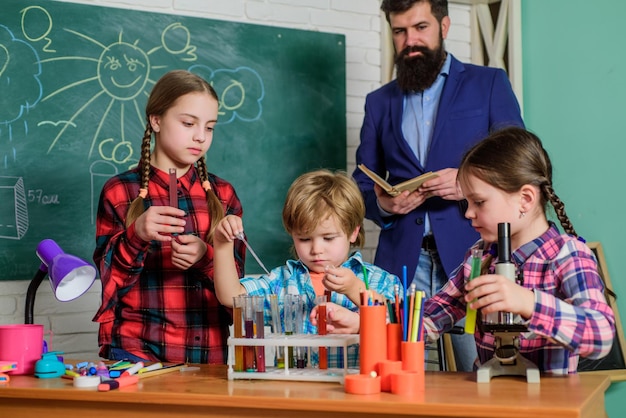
column 74, row 80
column 613, row 364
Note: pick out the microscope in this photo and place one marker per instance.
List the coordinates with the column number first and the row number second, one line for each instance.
column 506, row 326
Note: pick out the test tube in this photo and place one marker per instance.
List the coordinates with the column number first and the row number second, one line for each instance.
column 173, row 191
column 259, row 302
column 320, row 301
column 248, row 325
column 300, row 360
column 470, row 315
column 290, row 312
column 238, row 302
column 277, row 329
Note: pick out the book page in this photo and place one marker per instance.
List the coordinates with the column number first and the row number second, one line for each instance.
column 410, row 185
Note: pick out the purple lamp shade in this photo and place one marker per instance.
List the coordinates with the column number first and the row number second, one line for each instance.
column 70, row 276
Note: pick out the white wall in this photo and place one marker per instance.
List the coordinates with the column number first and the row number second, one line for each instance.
column 361, row 23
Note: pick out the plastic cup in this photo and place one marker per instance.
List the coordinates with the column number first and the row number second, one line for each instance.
column 373, row 338
column 410, row 384
column 386, row 369
column 413, row 356
column 394, row 338
column 362, row 384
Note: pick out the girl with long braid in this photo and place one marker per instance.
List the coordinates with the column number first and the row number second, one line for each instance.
column 156, row 260
column 507, row 178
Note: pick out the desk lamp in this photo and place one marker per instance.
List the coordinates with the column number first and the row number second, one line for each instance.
column 506, row 326
column 70, row 276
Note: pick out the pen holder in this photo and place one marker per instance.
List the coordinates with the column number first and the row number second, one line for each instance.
column 410, row 380
column 386, row 368
column 394, row 338
column 22, row 343
column 362, row 384
column 413, row 356
column 373, row 338
column 410, row 384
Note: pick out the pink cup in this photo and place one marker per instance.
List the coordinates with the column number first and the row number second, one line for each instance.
column 22, row 343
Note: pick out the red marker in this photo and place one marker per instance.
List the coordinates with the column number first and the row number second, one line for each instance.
column 118, row 383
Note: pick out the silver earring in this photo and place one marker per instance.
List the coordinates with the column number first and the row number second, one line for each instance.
column 521, row 214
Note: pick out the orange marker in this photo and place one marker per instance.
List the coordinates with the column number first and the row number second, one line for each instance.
column 118, row 383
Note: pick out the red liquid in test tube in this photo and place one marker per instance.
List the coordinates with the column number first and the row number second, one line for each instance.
column 260, row 333
column 248, row 325
column 173, row 190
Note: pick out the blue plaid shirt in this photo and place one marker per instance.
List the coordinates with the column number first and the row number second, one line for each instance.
column 293, row 278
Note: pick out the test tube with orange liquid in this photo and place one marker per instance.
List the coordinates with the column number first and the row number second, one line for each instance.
column 238, row 302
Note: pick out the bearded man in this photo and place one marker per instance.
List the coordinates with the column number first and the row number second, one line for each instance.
column 425, row 120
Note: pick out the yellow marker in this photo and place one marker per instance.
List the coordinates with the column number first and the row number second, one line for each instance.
column 470, row 314
column 417, row 307
column 150, row 368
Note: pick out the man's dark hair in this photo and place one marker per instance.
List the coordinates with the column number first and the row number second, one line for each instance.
column 439, row 8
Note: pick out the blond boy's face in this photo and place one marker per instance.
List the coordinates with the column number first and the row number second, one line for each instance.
column 327, row 245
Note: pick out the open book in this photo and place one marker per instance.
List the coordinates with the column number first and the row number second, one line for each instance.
column 410, row 185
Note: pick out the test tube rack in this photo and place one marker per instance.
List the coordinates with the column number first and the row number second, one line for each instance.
column 297, row 340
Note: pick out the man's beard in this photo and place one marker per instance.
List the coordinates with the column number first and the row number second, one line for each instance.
column 420, row 72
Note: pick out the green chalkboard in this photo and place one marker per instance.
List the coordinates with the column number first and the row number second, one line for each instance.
column 73, row 85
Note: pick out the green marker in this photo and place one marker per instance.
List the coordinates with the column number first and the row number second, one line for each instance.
column 470, row 314
column 367, row 284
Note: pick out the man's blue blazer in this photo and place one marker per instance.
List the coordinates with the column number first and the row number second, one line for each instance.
column 475, row 101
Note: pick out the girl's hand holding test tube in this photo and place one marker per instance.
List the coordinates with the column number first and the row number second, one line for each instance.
column 159, row 223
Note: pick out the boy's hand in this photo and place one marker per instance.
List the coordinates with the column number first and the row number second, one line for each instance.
column 343, row 280
column 339, row 320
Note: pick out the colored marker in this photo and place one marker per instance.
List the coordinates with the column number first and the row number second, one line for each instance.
column 417, row 306
column 405, row 329
column 117, row 383
column 365, row 279
column 121, row 365
column 165, row 369
column 152, row 367
column 134, row 369
column 8, row 365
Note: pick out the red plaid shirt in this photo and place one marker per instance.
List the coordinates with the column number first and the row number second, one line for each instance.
column 149, row 307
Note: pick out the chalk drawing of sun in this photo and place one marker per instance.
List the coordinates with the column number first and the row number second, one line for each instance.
column 123, row 76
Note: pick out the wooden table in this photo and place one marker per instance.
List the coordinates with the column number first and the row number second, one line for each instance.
column 208, row 392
